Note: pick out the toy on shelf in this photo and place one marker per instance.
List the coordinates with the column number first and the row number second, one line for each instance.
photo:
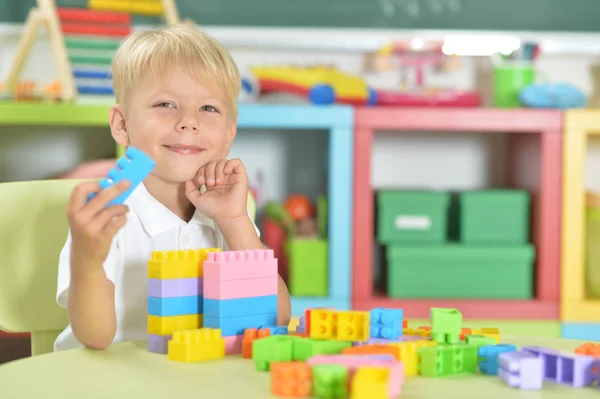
column 320, row 84
column 415, row 56
column 83, row 42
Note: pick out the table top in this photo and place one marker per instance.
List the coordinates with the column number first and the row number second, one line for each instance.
column 128, row 370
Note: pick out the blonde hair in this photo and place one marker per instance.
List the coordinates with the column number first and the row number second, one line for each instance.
column 179, row 46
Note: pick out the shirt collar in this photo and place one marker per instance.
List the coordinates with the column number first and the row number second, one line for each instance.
column 157, row 218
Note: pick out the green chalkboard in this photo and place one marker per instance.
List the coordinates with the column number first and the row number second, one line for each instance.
column 531, row 15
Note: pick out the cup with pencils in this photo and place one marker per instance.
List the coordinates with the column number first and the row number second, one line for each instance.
column 512, row 72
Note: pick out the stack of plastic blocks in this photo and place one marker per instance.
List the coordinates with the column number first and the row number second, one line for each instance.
column 240, row 292
column 175, row 298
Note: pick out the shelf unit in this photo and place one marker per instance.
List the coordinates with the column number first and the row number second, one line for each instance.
column 580, row 316
column 546, row 230
column 336, row 120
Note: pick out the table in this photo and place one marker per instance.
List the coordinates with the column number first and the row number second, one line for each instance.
column 128, row 370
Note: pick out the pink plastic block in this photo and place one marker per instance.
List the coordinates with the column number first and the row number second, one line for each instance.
column 240, row 265
column 233, row 289
column 233, row 344
column 352, row 362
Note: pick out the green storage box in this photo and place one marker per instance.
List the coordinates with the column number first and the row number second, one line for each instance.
column 307, row 264
column 494, row 217
column 460, row 271
column 412, row 217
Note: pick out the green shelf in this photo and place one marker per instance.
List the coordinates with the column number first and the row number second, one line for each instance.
column 53, row 114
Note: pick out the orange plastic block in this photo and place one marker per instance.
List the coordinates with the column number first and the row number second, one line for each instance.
column 404, row 323
column 374, row 349
column 589, row 349
column 291, row 379
column 196, row 345
column 408, row 354
column 251, row 335
column 464, row 332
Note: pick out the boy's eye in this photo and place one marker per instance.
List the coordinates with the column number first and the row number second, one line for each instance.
column 208, row 108
column 164, row 105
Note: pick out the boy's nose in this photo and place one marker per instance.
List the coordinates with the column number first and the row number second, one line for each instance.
column 188, row 126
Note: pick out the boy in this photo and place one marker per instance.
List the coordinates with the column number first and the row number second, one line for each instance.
column 176, row 99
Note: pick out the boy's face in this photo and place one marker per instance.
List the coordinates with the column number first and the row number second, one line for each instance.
column 180, row 123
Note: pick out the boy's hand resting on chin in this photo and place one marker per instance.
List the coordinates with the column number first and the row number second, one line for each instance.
column 226, row 192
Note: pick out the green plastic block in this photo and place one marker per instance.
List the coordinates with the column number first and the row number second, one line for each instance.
column 494, row 217
column 447, row 360
column 479, row 340
column 412, row 217
column 91, row 59
column 306, row 348
column 446, row 324
column 275, row 348
column 308, row 261
column 458, row 271
column 91, row 44
column 330, row 381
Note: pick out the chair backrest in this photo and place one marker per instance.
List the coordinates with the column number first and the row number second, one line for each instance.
column 33, row 229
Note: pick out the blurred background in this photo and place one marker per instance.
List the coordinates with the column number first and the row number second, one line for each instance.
column 421, row 145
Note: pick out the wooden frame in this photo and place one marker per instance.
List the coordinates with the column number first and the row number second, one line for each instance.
column 579, row 125
column 546, row 230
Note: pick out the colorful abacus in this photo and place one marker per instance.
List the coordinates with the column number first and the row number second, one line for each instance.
column 83, row 41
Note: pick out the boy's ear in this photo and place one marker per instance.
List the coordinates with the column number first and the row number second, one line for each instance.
column 231, row 132
column 118, row 125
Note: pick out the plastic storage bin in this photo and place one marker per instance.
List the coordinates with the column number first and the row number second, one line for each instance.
column 307, row 262
column 460, row 271
column 592, row 247
column 412, row 216
column 494, row 217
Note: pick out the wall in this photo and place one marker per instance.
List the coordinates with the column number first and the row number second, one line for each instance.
column 453, row 161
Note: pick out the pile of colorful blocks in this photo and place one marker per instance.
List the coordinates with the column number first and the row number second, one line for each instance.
column 332, row 354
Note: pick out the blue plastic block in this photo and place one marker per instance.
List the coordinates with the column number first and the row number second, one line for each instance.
column 239, row 307
column 488, row 357
column 134, row 166
column 236, row 325
column 98, row 90
column 386, row 323
column 174, row 306
column 278, row 330
column 86, row 74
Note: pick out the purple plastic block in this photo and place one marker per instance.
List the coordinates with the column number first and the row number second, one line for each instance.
column 549, row 360
column 175, row 287
column 523, row 370
column 413, row 338
column 301, row 330
column 576, row 370
column 302, row 321
column 381, row 341
column 158, row 343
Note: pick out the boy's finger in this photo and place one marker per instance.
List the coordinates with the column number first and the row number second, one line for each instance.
column 220, row 170
column 200, row 178
column 114, row 225
column 192, row 192
column 103, row 218
column 235, row 165
column 80, row 193
column 209, row 173
column 100, row 201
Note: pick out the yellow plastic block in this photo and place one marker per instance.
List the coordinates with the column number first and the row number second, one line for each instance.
column 352, row 326
column 196, row 345
column 370, row 382
column 165, row 325
column 420, row 332
column 109, row 5
column 408, row 354
column 491, row 333
column 323, row 324
column 178, row 264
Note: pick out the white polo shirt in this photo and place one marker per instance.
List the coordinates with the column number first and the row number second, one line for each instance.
column 150, row 227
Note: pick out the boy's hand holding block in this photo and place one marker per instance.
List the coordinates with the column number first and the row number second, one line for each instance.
column 135, row 166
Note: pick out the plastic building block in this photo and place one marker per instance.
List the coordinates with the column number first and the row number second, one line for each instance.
column 291, row 379
column 196, row 345
column 491, row 333
column 416, row 332
column 405, row 324
column 523, row 370
column 165, row 325
column 549, row 360
column 135, row 167
column 374, row 349
column 354, row 363
column 236, row 325
column 234, row 289
column 323, row 323
column 330, row 381
column 464, row 332
column 178, row 264
column 80, row 15
column 277, row 330
column 479, row 340
column 386, row 323
column 408, row 354
column 276, row 348
column 308, row 261
column 251, row 335
column 339, row 325
column 158, row 343
column 307, row 313
column 590, row 349
column 488, row 357
column 174, row 287
column 445, row 325
column 233, row 344
column 370, row 383
column 576, row 370
column 239, row 307
column 301, row 327
column 305, row 348
column 241, row 265
column 175, row 306
column 447, row 360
